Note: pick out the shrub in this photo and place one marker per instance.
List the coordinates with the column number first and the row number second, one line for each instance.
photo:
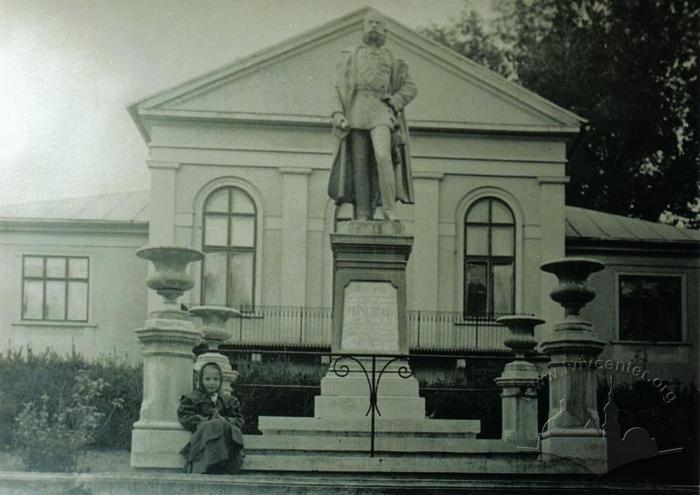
column 50, row 437
column 28, row 376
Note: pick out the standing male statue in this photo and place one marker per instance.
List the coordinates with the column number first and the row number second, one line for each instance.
column 372, row 165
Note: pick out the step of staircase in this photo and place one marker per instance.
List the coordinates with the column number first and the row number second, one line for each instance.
column 152, row 482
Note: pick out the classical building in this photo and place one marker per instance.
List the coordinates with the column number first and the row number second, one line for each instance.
column 239, row 161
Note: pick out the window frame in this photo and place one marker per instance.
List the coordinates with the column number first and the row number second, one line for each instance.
column 488, row 259
column 44, row 279
column 229, row 249
column 683, row 306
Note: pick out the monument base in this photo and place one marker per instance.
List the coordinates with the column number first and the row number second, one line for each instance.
column 157, row 445
column 587, row 448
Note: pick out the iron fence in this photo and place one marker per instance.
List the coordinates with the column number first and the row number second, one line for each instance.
column 310, row 327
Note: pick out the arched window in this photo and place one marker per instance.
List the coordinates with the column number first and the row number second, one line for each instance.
column 489, row 259
column 228, row 242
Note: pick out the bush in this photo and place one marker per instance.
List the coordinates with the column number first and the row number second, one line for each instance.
column 49, row 437
column 27, row 377
column 276, row 388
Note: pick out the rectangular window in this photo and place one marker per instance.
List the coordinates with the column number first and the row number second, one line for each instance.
column 55, row 288
column 650, row 308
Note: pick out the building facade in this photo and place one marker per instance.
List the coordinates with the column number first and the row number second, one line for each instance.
column 239, row 161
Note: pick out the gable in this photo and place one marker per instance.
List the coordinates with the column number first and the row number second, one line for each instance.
column 294, row 82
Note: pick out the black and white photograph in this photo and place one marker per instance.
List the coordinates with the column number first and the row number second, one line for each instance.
column 349, row 247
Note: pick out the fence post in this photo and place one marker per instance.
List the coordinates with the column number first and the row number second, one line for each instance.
column 418, row 331
column 301, row 325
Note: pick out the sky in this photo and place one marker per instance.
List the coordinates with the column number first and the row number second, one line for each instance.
column 69, row 69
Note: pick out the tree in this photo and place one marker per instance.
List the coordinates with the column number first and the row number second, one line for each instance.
column 630, row 68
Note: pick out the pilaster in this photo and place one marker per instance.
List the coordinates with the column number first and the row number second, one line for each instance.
column 295, row 192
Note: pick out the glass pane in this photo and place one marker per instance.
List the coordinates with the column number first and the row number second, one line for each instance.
column 500, row 213
column 243, row 231
column 214, row 281
column 77, row 301
column 217, row 201
column 503, row 283
column 78, row 268
column 670, row 321
column 241, row 282
column 502, row 241
column 650, row 308
column 479, row 212
column 215, row 228
column 32, row 300
column 56, row 267
column 33, row 266
column 56, row 300
column 242, row 202
column 476, row 289
column 477, row 241
column 629, row 309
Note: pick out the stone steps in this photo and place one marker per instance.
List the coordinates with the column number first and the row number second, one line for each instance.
column 361, row 425
column 424, row 464
column 305, row 444
column 153, row 482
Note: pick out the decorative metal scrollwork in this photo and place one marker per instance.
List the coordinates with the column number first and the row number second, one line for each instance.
column 372, row 376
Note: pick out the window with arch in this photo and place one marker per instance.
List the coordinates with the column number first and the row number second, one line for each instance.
column 228, row 242
column 489, row 259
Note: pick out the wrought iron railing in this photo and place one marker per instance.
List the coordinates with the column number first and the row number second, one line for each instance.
column 309, row 327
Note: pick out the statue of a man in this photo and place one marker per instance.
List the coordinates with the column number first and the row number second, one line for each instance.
column 372, row 164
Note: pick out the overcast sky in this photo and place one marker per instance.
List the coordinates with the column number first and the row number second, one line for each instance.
column 69, row 69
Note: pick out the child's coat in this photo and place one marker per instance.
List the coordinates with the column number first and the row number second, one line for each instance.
column 214, row 440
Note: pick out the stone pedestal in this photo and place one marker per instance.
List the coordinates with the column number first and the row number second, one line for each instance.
column 573, row 430
column 369, row 317
column 215, row 332
column 168, row 338
column 518, row 383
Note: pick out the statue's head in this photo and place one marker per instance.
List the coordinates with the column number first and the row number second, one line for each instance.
column 374, row 30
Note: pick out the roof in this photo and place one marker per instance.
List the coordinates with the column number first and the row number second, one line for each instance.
column 582, row 224
column 127, row 207
column 132, row 207
column 289, row 83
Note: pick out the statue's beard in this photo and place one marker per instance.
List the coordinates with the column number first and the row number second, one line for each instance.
column 374, row 38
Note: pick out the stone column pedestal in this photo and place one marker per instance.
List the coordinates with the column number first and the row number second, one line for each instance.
column 369, row 317
column 168, row 338
column 518, row 383
column 573, row 429
column 215, row 331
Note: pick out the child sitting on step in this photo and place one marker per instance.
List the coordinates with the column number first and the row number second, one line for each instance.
column 216, row 446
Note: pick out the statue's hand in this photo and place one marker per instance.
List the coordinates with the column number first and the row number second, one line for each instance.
column 340, row 121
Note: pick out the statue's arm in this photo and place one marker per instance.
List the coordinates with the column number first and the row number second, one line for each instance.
column 407, row 89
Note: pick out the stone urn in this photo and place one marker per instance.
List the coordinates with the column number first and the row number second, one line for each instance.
column 518, row 382
column 168, row 337
column 573, row 429
column 170, row 279
column 215, row 332
column 214, row 320
column 522, row 333
column 572, row 292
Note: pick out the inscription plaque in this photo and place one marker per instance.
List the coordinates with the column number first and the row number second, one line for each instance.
column 370, row 318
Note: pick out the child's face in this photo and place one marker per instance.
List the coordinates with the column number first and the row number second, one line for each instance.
column 211, row 379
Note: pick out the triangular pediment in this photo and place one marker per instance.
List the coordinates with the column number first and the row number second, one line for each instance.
column 294, row 82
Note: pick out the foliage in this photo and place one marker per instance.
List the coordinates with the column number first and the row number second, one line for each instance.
column 28, row 376
column 629, row 68
column 50, row 437
column 672, row 424
column 276, row 388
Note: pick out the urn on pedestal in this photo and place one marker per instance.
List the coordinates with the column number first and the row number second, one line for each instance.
column 168, row 338
column 573, row 429
column 518, row 381
column 214, row 319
